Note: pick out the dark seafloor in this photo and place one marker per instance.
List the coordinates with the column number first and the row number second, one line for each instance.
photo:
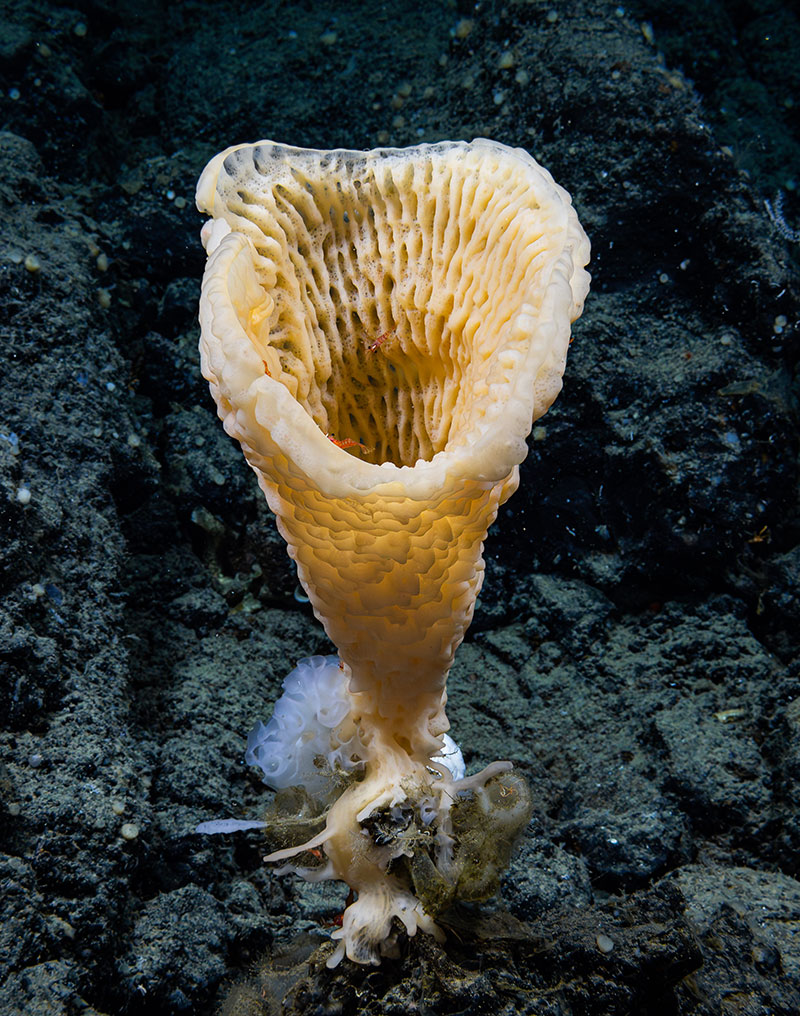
column 636, row 648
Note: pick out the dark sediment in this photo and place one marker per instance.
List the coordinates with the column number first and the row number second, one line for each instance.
column 636, row 646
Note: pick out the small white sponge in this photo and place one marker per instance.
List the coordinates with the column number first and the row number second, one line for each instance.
column 300, row 745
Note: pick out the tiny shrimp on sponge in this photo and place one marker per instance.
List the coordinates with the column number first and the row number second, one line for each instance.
column 467, row 263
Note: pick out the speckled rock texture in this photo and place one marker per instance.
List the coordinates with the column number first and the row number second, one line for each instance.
column 636, row 646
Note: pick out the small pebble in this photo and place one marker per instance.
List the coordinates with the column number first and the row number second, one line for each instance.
column 58, row 924
column 730, row 715
column 604, row 943
column 33, row 264
column 129, row 831
column 506, row 61
column 23, row 495
column 102, row 262
column 80, row 30
column 35, row 761
column 118, row 807
column 328, row 39
column 463, row 28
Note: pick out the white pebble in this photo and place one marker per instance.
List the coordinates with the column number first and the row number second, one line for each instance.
column 23, row 495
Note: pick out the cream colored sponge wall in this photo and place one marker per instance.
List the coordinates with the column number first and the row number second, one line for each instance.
column 380, row 329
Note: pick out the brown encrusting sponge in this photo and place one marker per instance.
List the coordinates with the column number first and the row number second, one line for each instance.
column 379, row 330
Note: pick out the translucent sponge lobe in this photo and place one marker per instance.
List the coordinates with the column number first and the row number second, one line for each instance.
column 299, row 746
